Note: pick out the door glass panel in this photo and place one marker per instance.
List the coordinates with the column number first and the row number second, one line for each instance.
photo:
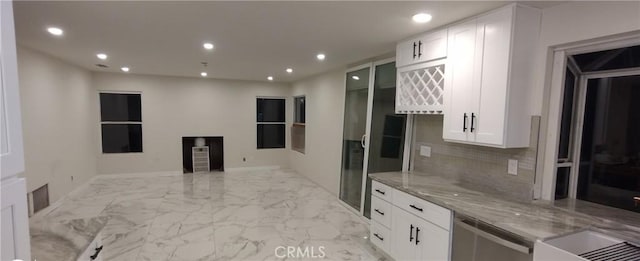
column 386, row 144
column 355, row 124
column 609, row 169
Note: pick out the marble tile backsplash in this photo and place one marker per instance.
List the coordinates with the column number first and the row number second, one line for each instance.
column 483, row 167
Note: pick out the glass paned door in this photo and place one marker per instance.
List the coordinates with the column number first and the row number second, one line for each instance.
column 609, row 170
column 353, row 137
column 565, row 160
column 386, row 142
column 373, row 135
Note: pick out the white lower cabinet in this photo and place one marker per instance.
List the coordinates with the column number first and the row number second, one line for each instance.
column 417, row 239
column 408, row 233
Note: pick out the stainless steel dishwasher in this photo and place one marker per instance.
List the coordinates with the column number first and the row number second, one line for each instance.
column 474, row 240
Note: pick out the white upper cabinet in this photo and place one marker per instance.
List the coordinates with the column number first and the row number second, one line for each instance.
column 11, row 153
column 423, row 48
column 489, row 69
column 462, row 39
column 420, row 77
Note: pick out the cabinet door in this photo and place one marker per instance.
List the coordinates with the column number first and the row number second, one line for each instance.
column 11, row 153
column 403, row 230
column 406, row 52
column 423, row 48
column 431, row 46
column 459, row 79
column 490, row 92
column 432, row 241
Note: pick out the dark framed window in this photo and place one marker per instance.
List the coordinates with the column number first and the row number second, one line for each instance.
column 298, row 127
column 271, row 126
column 121, row 122
column 299, row 109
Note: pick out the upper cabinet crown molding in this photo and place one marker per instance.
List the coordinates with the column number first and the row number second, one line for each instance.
column 489, row 72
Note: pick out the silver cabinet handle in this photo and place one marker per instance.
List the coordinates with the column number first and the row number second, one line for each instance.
column 362, row 140
column 496, row 239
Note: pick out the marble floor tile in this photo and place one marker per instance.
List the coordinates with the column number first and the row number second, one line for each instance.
column 219, row 216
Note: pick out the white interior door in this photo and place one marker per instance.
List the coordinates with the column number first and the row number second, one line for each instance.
column 15, row 221
column 11, row 153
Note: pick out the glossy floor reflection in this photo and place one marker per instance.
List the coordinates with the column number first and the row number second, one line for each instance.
column 219, row 216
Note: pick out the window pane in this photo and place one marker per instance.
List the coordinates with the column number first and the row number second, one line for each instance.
column 270, row 110
column 120, row 107
column 271, row 136
column 625, row 57
column 567, row 115
column 121, row 138
column 609, row 170
column 299, row 109
column 562, row 182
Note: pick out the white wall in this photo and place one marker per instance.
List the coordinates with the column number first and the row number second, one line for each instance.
column 324, row 115
column 573, row 22
column 173, row 107
column 579, row 21
column 58, row 123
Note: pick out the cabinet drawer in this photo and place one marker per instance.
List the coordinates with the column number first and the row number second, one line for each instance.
column 380, row 236
column 381, row 211
column 382, row 191
column 426, row 210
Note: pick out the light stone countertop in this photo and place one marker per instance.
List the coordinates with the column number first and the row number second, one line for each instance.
column 63, row 240
column 534, row 220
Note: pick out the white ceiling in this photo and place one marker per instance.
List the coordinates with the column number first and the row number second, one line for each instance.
column 252, row 39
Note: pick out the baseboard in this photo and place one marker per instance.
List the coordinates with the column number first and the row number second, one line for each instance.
column 86, row 184
column 141, row 174
column 45, row 211
column 248, row 169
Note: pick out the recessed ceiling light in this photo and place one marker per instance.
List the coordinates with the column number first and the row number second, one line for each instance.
column 355, row 77
column 101, row 56
column 208, row 46
column 270, row 78
column 289, row 70
column 421, row 18
column 320, row 56
column 125, row 69
column 55, row 31
column 203, row 74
